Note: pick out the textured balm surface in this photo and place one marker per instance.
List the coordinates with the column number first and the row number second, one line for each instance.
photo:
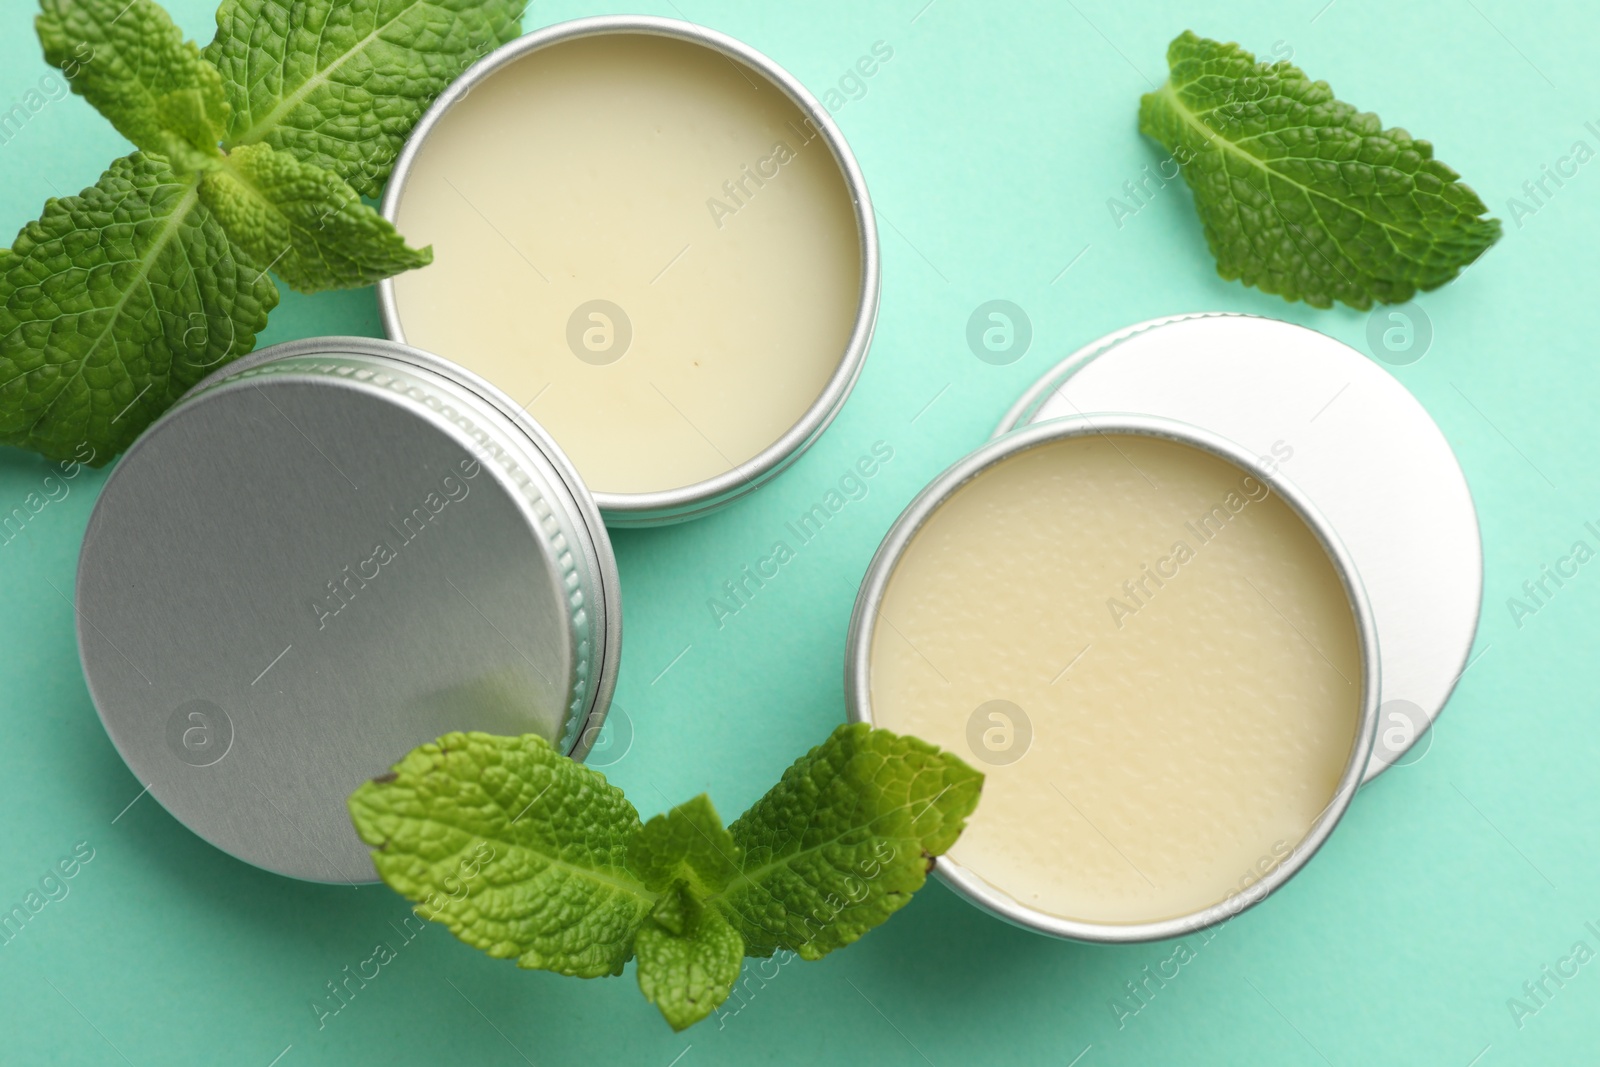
column 644, row 241
column 1180, row 648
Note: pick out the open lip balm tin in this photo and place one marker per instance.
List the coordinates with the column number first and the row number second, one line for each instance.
column 328, row 552
column 654, row 287
column 1354, row 440
column 1126, row 435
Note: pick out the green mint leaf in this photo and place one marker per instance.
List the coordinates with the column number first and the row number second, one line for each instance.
column 844, row 839
column 128, row 59
column 1302, row 195
column 519, row 850
column 687, row 844
column 689, row 958
column 525, row 853
column 303, row 222
column 340, row 83
column 112, row 304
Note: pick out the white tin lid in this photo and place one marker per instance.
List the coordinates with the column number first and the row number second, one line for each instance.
column 1358, row 444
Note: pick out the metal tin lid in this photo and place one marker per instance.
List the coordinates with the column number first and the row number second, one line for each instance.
column 327, row 553
column 1353, row 438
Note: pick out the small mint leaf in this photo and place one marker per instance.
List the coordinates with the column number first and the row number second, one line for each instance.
column 686, row 844
column 1302, row 195
column 112, row 304
column 519, row 850
column 128, row 59
column 844, row 839
column 688, row 958
column 303, row 222
column 675, row 910
column 340, row 83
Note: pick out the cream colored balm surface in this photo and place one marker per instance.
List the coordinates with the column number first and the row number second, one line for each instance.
column 1182, row 653
column 646, row 243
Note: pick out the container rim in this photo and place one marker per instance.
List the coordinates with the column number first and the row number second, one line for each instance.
column 858, row 695
column 690, row 501
column 1046, row 385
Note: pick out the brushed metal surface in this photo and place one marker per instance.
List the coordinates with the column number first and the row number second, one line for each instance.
column 323, row 556
column 858, row 662
column 1364, row 451
column 702, row 498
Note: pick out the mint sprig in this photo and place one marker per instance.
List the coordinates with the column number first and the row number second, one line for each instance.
column 575, row 883
column 1302, row 195
column 253, row 157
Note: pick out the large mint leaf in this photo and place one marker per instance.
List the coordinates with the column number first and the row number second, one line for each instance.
column 112, row 304
column 686, row 844
column 520, row 851
column 1302, row 195
column 128, row 59
column 689, row 958
column 844, row 839
column 340, row 83
column 304, row 222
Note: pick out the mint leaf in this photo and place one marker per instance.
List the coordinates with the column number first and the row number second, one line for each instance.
column 687, row 844
column 844, row 839
column 133, row 65
column 304, row 222
column 689, row 958
column 519, row 850
column 117, row 300
column 340, row 83
column 1302, row 195
column 114, row 303
column 525, row 853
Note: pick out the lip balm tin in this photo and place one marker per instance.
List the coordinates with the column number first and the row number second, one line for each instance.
column 1363, row 450
column 327, row 553
column 700, row 498
column 858, row 688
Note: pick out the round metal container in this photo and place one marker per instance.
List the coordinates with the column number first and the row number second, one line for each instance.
column 858, row 682
column 1353, row 439
column 327, row 553
column 701, row 498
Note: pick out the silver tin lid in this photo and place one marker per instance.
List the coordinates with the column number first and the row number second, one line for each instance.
column 326, row 554
column 868, row 609
column 669, row 506
column 1347, row 433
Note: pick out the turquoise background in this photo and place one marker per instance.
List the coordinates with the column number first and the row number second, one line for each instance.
column 991, row 141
